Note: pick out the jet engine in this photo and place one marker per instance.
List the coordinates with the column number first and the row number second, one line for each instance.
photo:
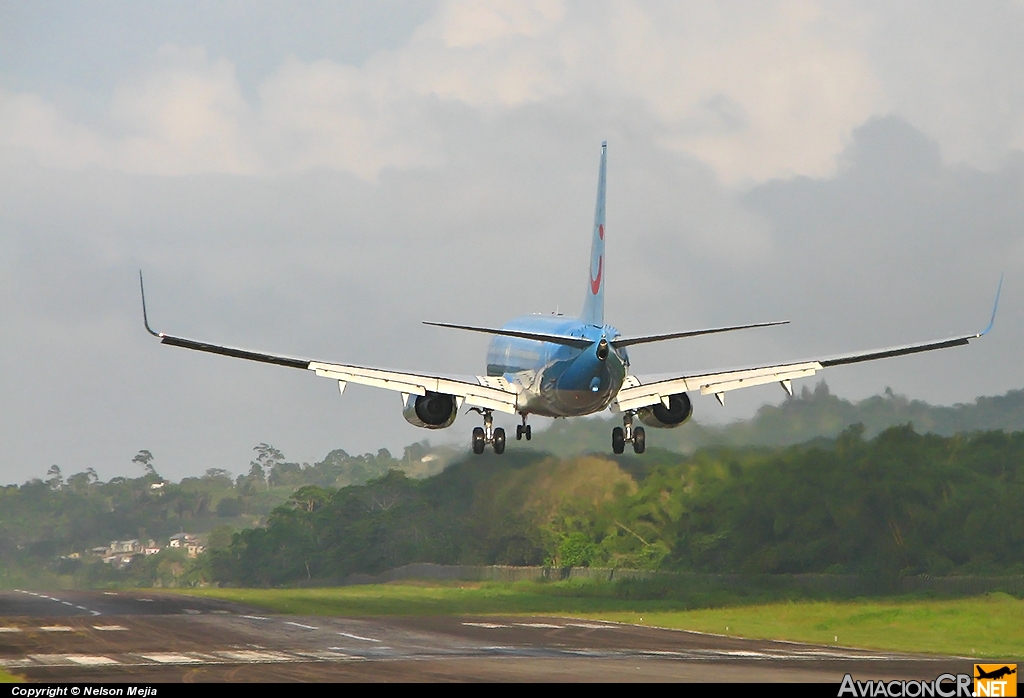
column 430, row 411
column 657, row 415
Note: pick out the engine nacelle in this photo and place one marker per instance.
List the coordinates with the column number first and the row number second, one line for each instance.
column 660, row 417
column 431, row 411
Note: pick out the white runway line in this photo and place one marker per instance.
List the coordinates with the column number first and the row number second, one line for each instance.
column 67, row 603
column 109, row 627
column 258, row 656
column 10, row 630
column 359, row 637
column 249, row 617
column 91, row 660
column 300, row 625
column 592, row 626
column 539, row 625
column 171, row 658
column 81, row 608
column 486, row 625
column 57, row 629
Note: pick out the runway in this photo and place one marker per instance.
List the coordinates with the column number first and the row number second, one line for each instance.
column 121, row 636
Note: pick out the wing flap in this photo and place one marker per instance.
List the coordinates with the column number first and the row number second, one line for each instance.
column 474, row 391
column 650, row 390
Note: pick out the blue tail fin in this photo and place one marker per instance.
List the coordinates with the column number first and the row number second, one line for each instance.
column 593, row 306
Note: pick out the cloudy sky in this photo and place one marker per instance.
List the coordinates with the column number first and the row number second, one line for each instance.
column 316, row 178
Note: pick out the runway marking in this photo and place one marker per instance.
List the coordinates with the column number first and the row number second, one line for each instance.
column 359, row 637
column 145, row 600
column 258, row 656
column 10, row 630
column 192, row 611
column 249, row 617
column 592, row 626
column 109, row 627
column 66, row 603
column 171, row 658
column 486, row 625
column 110, row 593
column 300, row 625
column 540, row 625
column 91, row 660
column 57, row 629
column 331, row 654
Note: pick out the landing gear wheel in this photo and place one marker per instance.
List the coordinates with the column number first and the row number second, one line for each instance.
column 528, row 432
column 639, row 440
column 618, row 441
column 479, row 441
column 499, row 441
column 519, row 432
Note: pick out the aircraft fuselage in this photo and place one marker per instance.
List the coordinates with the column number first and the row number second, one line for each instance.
column 557, row 380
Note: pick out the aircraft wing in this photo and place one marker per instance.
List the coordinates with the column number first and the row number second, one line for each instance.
column 487, row 392
column 476, row 391
column 642, row 391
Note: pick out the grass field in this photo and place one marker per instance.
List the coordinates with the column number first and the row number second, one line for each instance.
column 986, row 626
column 8, row 678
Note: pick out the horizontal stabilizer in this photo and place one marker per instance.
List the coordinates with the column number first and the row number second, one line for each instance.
column 578, row 342
column 630, row 341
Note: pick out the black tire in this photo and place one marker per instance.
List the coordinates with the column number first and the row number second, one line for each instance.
column 528, row 432
column 499, row 441
column 618, row 441
column 519, row 432
column 478, row 440
column 639, row 440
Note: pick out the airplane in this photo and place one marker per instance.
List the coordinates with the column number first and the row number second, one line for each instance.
column 556, row 366
column 995, row 674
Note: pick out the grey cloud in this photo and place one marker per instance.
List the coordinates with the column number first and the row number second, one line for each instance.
column 328, row 266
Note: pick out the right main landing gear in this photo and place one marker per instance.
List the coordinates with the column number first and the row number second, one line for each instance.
column 620, row 435
column 488, row 434
column 523, row 430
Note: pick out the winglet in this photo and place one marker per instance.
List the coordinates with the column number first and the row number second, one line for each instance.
column 145, row 318
column 995, row 307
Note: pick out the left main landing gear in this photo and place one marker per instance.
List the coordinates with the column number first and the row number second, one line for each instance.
column 620, row 435
column 488, row 434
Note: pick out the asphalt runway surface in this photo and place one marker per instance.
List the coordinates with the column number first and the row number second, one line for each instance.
column 150, row 637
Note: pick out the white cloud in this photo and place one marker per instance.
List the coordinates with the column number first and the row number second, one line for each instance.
column 186, row 116
column 756, row 94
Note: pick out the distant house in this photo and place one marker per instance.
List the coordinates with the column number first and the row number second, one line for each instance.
column 194, row 549
column 125, row 546
column 181, row 540
column 151, row 550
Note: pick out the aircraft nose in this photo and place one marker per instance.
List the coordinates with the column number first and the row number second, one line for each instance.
column 602, row 349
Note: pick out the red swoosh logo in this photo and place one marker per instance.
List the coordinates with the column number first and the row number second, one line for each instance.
column 595, row 284
column 600, row 230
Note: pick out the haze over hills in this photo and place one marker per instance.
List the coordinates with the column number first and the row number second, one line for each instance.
column 809, row 414
column 549, row 501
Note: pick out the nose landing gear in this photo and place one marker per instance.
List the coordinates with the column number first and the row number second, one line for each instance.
column 620, row 435
column 488, row 434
